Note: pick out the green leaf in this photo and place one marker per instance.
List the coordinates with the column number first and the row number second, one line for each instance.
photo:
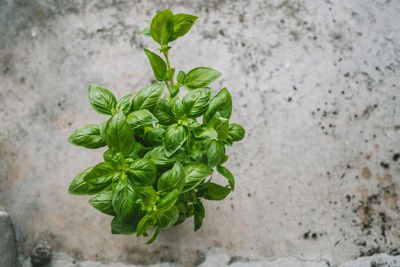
column 101, row 99
column 142, row 172
column 140, row 117
column 154, row 235
column 102, row 128
column 225, row 160
column 190, row 210
column 183, row 23
column 167, row 218
column 205, row 132
column 88, row 136
column 80, row 187
column 196, row 102
column 228, row 175
column 191, row 123
column 221, row 105
column 174, row 138
column 181, row 219
column 147, row 196
column 164, row 112
column 227, row 141
column 221, row 125
column 146, row 223
column 138, row 151
column 146, row 32
column 157, row 155
column 119, row 136
column 199, row 214
column 178, row 110
column 181, row 77
column 154, row 136
column 216, row 192
column 101, row 174
column 182, row 207
column 169, row 200
column 174, row 90
column 103, row 202
column 120, row 226
column 124, row 200
column 119, row 183
column 195, row 173
column 162, row 26
column 200, row 77
column 125, row 103
column 199, row 155
column 158, row 65
column 148, row 97
column 215, row 153
column 236, row 131
column 116, row 158
column 107, row 156
column 173, row 178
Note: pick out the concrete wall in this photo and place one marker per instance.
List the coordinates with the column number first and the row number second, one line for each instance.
column 315, row 83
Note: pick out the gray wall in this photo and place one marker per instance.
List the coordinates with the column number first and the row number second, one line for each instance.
column 315, row 83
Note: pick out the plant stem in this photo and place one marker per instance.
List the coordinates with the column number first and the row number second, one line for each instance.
column 167, row 84
column 171, row 79
column 169, row 68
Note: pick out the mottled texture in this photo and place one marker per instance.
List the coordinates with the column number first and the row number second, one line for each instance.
column 315, row 83
column 223, row 258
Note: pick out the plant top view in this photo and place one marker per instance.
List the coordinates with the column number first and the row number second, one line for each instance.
column 158, row 167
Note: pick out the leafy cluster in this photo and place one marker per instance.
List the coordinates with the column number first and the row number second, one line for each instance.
column 159, row 155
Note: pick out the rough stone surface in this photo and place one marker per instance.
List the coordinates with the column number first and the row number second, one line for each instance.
column 221, row 258
column 378, row 260
column 8, row 249
column 215, row 257
column 315, row 83
column 41, row 255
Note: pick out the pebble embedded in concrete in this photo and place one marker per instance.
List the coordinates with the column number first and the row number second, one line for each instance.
column 41, row 255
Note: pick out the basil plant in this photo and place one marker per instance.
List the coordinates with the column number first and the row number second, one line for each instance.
column 161, row 150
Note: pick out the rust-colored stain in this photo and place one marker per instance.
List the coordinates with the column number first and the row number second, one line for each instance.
column 63, row 121
column 366, row 173
column 377, row 146
column 364, row 194
column 368, row 156
column 386, row 178
column 391, row 198
column 365, row 211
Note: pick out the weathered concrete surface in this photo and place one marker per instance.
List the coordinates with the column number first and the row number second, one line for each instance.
column 221, row 258
column 315, row 83
column 215, row 258
column 378, row 260
column 8, row 249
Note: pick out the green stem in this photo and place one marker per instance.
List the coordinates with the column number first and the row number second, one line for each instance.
column 171, row 79
column 167, row 84
column 169, row 68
